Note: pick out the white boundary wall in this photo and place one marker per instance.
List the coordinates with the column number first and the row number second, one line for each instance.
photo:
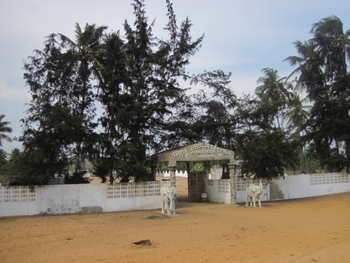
column 309, row 185
column 79, row 198
column 92, row 198
column 218, row 190
column 291, row 187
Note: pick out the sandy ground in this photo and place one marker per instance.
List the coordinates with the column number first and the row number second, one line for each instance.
column 308, row 230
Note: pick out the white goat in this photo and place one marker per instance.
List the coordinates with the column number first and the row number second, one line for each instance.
column 168, row 198
column 253, row 192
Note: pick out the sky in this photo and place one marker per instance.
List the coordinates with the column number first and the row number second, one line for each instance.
column 241, row 36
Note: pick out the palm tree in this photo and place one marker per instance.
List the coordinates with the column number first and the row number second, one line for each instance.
column 4, row 128
column 322, row 59
column 333, row 45
column 322, row 69
column 297, row 113
column 296, row 117
column 85, row 47
column 306, row 63
column 273, row 91
column 84, row 52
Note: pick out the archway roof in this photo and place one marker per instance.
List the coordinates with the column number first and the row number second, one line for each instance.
column 195, row 152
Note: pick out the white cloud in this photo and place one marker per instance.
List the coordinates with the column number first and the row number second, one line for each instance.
column 13, row 93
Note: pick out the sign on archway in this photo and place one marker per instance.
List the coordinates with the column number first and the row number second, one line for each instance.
column 200, row 152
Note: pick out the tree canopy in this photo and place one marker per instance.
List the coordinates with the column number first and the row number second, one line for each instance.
column 134, row 79
column 322, row 71
column 116, row 97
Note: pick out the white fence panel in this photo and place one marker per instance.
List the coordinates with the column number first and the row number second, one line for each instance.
column 323, row 184
column 218, row 190
column 60, row 199
column 17, row 200
column 289, row 188
column 92, row 198
column 309, row 185
column 299, row 186
column 79, row 198
column 133, row 196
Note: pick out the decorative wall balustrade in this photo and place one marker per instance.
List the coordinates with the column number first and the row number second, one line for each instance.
column 17, row 194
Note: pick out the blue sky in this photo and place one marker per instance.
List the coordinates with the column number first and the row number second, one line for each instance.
column 241, row 36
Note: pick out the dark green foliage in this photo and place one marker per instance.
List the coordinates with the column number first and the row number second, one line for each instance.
column 206, row 117
column 265, row 150
column 101, row 169
column 266, row 153
column 4, row 128
column 25, row 169
column 3, row 159
column 322, row 72
column 140, row 96
column 76, row 178
column 59, row 125
column 135, row 79
column 12, row 164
